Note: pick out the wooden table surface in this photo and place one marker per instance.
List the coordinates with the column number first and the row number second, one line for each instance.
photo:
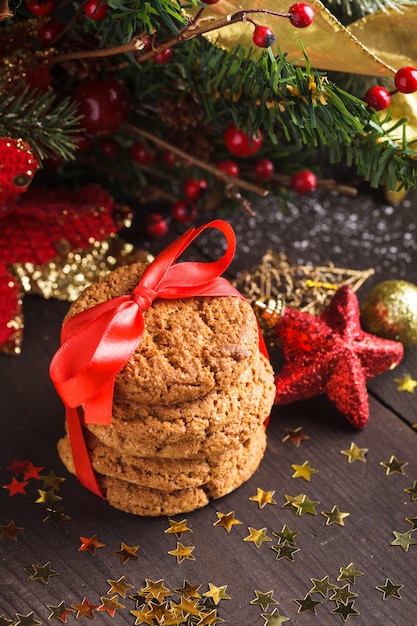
column 43, row 567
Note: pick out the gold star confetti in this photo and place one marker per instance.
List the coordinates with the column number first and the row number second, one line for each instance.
column 143, row 616
column 405, row 540
column 349, row 573
column 189, row 591
column 41, row 573
column 295, row 436
column 412, row 491
column 274, row 618
column 343, row 594
column 110, row 605
column 257, row 536
column 263, row 498
column 91, row 544
column 210, row 618
column 217, row 593
column 227, row 520
column 321, row 586
column 303, row 471
column 410, row 520
column 4, row 621
column 10, row 531
column 51, row 481
column 285, row 550
column 335, row 516
column 85, row 609
column 264, row 600
column 406, row 383
column 390, row 590
column 119, row 586
column 177, row 528
column 57, row 516
column 354, row 453
column 307, row 604
column 59, row 612
column 47, row 497
column 345, row 610
column 393, row 466
column 26, row 620
column 182, row 552
column 291, row 502
column 286, row 535
column 305, row 505
column 127, row 552
column 155, row 589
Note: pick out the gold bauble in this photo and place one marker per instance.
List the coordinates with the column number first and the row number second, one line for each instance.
column 390, row 311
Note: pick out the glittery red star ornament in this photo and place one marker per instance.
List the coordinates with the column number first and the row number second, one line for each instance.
column 330, row 354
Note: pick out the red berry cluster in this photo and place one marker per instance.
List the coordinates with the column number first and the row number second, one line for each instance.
column 300, row 15
column 405, row 81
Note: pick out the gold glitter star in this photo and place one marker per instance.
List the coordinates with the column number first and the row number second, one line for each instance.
column 10, row 531
column 393, row 466
column 291, row 501
column 177, row 528
column 182, row 552
column 345, row 610
column 51, row 480
column 264, row 599
column 321, row 586
column 227, row 520
column 343, row 594
column 217, row 593
column 26, row 620
column 189, row 606
column 119, row 586
column 257, row 536
column 303, row 471
column 405, row 540
column 85, row 609
column 286, row 535
column 155, row 589
column 410, row 520
column 210, row 618
column 57, row 516
column 91, row 544
column 349, row 573
column 47, row 497
column 295, row 436
column 285, row 550
column 110, row 605
column 307, row 604
column 127, row 552
column 406, row 383
column 355, row 453
column 59, row 612
column 335, row 516
column 412, row 491
column 42, row 573
column 143, row 616
column 390, row 590
column 274, row 618
column 306, row 506
column 189, row 591
column 263, row 498
column 4, row 621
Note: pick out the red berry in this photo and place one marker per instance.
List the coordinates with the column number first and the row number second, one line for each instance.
column 184, row 211
column 303, row 181
column 192, row 188
column 164, row 56
column 301, row 15
column 228, row 167
column 263, row 36
column 146, row 43
column 241, row 144
column 109, row 147
column 40, row 8
column 378, row 98
column 140, row 155
column 104, row 105
column 156, row 225
column 96, row 9
column 50, row 31
column 405, row 80
column 168, row 157
column 264, row 169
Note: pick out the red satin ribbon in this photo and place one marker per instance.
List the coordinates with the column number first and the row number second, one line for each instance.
column 97, row 343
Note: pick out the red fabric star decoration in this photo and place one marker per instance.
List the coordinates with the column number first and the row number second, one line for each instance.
column 330, row 354
column 16, row 486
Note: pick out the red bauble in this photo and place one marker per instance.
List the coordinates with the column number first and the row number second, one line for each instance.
column 241, row 144
column 104, row 105
column 263, row 36
column 39, row 8
column 140, row 155
column 303, row 181
column 96, row 9
column 50, row 31
column 405, row 80
column 378, row 98
column 156, row 225
column 301, row 15
column 228, row 167
column 264, row 169
column 192, row 188
column 184, row 211
column 164, row 56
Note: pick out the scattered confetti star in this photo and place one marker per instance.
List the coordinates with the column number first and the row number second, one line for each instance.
column 47, row 497
column 291, row 501
column 306, row 506
column 263, row 498
column 410, row 520
column 42, row 573
column 217, row 593
column 321, row 586
column 257, row 536
column 303, row 471
column 119, row 586
column 111, row 605
column 189, row 606
column 10, row 531
column 307, row 604
column 393, row 466
column 189, row 591
column 31, row 471
column 18, row 467
column 178, row 528
column 85, row 609
column 210, row 618
column 4, row 621
column 227, row 520
column 286, row 535
column 57, row 516
column 26, row 620
column 406, row 383
column 349, row 573
column 355, row 453
column 182, row 552
column 143, row 616
column 343, row 594
column 390, row 590
column 264, row 599
column 155, row 589
column 405, row 540
column 274, row 618
column 91, row 544
column 59, row 612
column 412, row 491
column 295, row 436
column 16, row 486
column 345, row 610
column 335, row 516
column 127, row 552
column 160, row 612
column 51, row 481
column 285, row 551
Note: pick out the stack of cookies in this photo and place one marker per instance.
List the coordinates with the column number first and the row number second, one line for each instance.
column 189, row 406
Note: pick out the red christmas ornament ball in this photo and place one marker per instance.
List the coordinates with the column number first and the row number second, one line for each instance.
column 96, row 9
column 301, row 15
column 303, row 181
column 40, row 8
column 228, row 167
column 184, row 211
column 405, row 80
column 104, row 105
column 263, row 37
column 264, row 169
column 140, row 155
column 192, row 188
column 156, row 225
column 242, row 144
column 50, row 31
column 378, row 98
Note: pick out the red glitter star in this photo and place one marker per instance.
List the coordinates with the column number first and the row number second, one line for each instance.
column 331, row 354
column 16, row 486
column 32, row 471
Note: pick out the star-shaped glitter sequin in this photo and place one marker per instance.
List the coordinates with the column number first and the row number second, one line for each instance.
column 10, row 531
column 48, row 497
column 51, row 481
column 405, row 540
column 264, row 600
column 410, row 520
column 189, row 591
column 345, row 610
column 178, row 528
column 349, row 573
column 286, row 535
column 274, row 618
column 258, row 537
column 285, row 550
column 31, row 471
column 305, row 505
column 182, row 552
column 406, row 384
column 303, row 471
column 291, row 501
column 110, row 605
column 227, row 520
column 143, row 616
column 393, row 466
column 16, row 486
column 412, row 491
column 354, row 453
column 41, row 573
column 85, row 609
column 59, row 612
column 389, row 590
column 90, row 544
column 335, row 516
column 57, row 516
column 217, row 593
column 263, row 498
column 330, row 354
column 119, row 586
column 18, row 467
column 295, row 436
column 343, row 594
column 127, row 552
column 26, row 620
column 307, row 604
column 155, row 589
column 321, row 586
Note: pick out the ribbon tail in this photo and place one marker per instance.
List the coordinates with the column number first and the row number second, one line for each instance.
column 98, row 409
column 82, row 463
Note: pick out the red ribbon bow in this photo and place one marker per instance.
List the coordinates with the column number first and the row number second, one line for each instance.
column 97, row 343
